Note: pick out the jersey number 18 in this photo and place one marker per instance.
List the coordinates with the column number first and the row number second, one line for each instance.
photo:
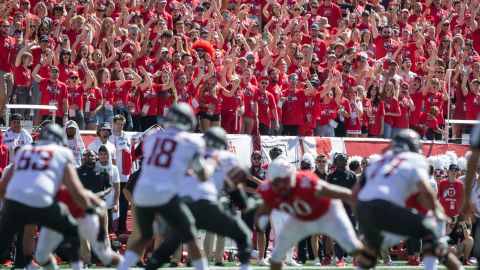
column 162, row 153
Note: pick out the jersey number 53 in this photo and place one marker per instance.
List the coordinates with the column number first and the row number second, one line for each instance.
column 35, row 159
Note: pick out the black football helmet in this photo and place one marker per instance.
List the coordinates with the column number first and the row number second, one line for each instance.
column 181, row 116
column 52, row 133
column 406, row 140
column 216, row 137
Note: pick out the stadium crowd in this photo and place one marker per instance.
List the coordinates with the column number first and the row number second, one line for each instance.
column 344, row 68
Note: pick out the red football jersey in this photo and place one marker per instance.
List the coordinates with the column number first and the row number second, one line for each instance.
column 301, row 202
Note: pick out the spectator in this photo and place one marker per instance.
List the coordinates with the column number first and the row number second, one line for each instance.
column 257, row 175
column 450, row 192
column 341, row 176
column 104, row 131
column 8, row 53
column 16, row 135
column 97, row 183
column 111, row 171
column 461, row 242
column 124, row 163
column 74, row 140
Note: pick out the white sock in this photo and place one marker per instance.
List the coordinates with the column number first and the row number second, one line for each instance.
column 76, row 265
column 430, row 262
column 199, row 264
column 245, row 266
column 129, row 259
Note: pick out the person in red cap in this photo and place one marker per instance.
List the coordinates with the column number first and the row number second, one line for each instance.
column 8, row 48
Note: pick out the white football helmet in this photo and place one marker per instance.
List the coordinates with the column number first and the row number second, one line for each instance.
column 281, row 168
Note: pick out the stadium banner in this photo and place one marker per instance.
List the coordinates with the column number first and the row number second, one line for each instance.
column 295, row 147
column 317, row 145
column 290, row 146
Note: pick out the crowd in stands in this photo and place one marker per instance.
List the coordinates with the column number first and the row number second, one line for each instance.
column 327, row 68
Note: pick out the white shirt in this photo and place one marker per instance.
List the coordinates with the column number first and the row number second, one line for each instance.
column 38, row 174
column 12, row 140
column 120, row 142
column 167, row 157
column 209, row 190
column 394, row 177
column 95, row 145
column 114, row 177
column 77, row 152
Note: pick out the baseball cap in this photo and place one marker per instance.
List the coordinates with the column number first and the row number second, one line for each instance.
column 340, row 156
column 315, row 27
column 199, row 8
column 331, row 55
column 161, row 1
column 256, row 153
column 365, row 13
column 453, row 167
column 16, row 116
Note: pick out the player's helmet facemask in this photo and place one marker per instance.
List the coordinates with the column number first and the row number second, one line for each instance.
column 406, row 141
column 216, row 137
column 52, row 133
column 181, row 116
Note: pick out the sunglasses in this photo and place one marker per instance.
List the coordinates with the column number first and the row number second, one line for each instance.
column 256, row 158
column 74, row 78
column 454, row 170
column 100, row 10
column 321, row 161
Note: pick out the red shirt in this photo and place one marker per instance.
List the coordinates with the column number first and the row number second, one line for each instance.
column 120, row 94
column 234, row 102
column 327, row 112
column 391, row 106
column 107, row 90
column 7, row 52
column 186, row 94
column 250, row 96
column 92, row 96
column 424, row 124
column 149, row 97
column 435, row 99
column 266, row 106
column 332, row 12
column 165, row 100
column 64, row 196
column 473, row 106
column 291, row 109
column 21, row 76
column 309, row 106
column 52, row 92
column 450, row 196
column 64, row 70
column 209, row 99
column 382, row 47
column 374, row 123
column 302, row 202
column 75, row 96
column 417, row 101
column 402, row 121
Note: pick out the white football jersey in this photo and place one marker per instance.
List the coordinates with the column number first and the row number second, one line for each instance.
column 167, row 157
column 209, row 190
column 38, row 174
column 394, row 177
